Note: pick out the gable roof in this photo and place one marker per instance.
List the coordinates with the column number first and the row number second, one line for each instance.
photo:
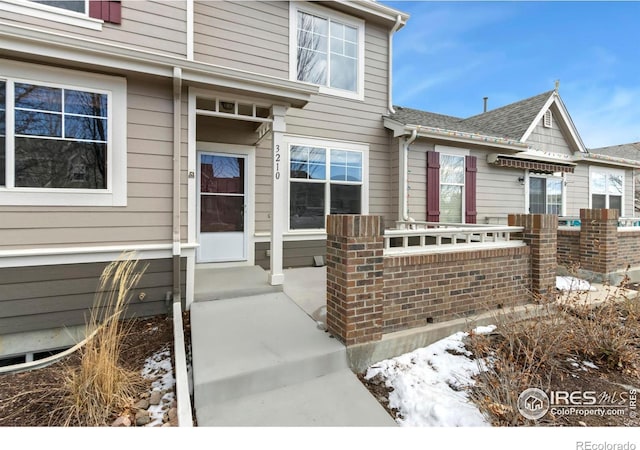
column 626, row 151
column 509, row 123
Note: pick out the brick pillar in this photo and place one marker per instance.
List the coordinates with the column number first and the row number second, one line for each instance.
column 541, row 235
column 599, row 240
column 354, row 277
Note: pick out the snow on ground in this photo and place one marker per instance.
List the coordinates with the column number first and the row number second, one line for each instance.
column 429, row 383
column 159, row 367
column 573, row 284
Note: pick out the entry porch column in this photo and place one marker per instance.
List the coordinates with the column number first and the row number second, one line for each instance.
column 279, row 189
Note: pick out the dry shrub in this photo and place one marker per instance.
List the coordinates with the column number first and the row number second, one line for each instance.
column 531, row 349
column 101, row 387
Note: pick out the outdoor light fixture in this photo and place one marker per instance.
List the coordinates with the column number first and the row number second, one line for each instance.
column 521, row 180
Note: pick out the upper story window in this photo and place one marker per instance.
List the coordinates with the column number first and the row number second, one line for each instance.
column 91, row 14
column 327, row 49
column 61, row 144
column 79, row 6
column 607, row 188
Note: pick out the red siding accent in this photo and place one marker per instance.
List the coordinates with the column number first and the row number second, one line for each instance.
column 107, row 10
column 470, row 189
column 433, row 187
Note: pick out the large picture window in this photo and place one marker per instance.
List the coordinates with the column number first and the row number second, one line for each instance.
column 323, row 180
column 58, row 141
column 545, row 195
column 327, row 50
column 607, row 188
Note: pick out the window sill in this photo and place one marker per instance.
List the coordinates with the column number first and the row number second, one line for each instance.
column 51, row 14
column 43, row 197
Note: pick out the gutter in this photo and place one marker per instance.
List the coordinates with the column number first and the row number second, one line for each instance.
column 404, row 173
column 177, row 109
column 395, row 28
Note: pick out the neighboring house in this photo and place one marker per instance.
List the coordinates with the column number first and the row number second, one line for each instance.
column 625, row 151
column 200, row 134
column 526, row 157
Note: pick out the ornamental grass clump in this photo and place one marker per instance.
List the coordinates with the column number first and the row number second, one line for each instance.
column 100, row 387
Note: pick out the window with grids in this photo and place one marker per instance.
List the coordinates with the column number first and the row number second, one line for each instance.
column 323, row 181
column 607, row 189
column 452, row 177
column 545, row 195
column 328, row 51
column 58, row 138
column 63, row 137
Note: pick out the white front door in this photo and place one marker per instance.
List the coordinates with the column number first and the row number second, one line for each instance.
column 222, row 203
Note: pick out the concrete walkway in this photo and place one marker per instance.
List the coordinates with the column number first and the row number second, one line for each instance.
column 260, row 360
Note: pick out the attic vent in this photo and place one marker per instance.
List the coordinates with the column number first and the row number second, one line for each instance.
column 548, row 119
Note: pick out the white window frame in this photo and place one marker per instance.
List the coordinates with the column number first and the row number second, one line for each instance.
column 460, row 153
column 329, row 145
column 607, row 171
column 51, row 13
column 546, row 177
column 116, row 90
column 316, row 10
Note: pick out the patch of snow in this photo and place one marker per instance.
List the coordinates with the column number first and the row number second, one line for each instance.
column 589, row 364
column 159, row 368
column 573, row 284
column 429, row 383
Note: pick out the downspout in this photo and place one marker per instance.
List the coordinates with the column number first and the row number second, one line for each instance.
column 404, row 173
column 177, row 124
column 390, row 63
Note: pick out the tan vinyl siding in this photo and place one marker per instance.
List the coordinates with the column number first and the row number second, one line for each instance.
column 39, row 298
column 153, row 26
column 147, row 217
column 295, row 253
column 417, row 177
column 550, row 140
column 252, row 36
column 498, row 191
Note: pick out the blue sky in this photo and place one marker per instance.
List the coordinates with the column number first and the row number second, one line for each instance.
column 452, row 54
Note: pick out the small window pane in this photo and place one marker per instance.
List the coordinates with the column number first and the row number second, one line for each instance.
column 615, row 202
column 337, row 45
column 308, row 163
column 48, row 163
column 70, row 5
column 344, row 73
column 38, row 124
column 614, row 185
column 85, row 103
column 317, row 172
column 337, row 30
column 43, row 98
column 598, row 182
column 319, row 26
column 351, row 34
column 345, row 199
column 354, row 174
column 306, row 207
column 598, row 201
column 451, row 169
column 86, row 128
column 451, row 204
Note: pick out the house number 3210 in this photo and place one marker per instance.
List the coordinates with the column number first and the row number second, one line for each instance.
column 276, row 159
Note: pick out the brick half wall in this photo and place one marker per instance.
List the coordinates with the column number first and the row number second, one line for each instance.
column 568, row 247
column 628, row 249
column 423, row 289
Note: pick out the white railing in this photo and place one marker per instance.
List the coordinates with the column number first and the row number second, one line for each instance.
column 435, row 237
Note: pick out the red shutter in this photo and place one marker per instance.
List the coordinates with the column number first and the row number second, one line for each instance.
column 433, row 187
column 107, row 10
column 470, row 189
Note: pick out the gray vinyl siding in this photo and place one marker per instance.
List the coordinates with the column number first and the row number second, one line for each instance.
column 550, row 140
column 46, row 297
column 153, row 26
column 295, row 253
column 147, row 218
column 577, row 190
column 252, row 36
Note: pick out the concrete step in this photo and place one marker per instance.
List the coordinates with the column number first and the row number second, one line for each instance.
column 250, row 345
column 335, row 399
column 231, row 282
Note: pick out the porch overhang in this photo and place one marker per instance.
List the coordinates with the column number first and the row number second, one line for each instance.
column 89, row 54
column 531, row 162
